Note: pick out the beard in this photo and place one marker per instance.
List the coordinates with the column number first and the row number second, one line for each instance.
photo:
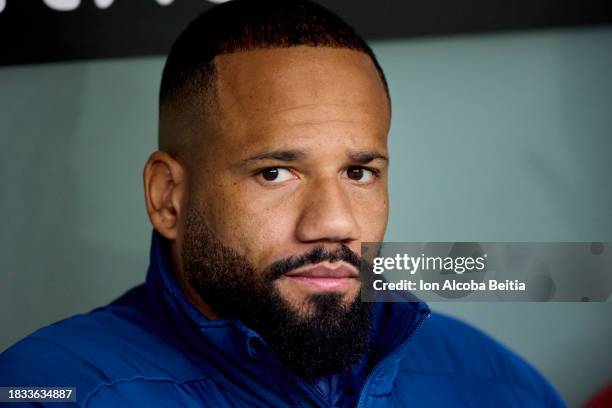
column 324, row 336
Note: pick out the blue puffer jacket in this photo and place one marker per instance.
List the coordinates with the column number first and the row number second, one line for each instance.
column 152, row 348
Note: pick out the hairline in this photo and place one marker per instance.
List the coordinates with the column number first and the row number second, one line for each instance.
column 206, row 97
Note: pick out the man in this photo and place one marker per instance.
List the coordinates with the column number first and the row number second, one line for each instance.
column 271, row 171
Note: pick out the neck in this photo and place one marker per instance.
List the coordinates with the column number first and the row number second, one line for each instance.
column 191, row 294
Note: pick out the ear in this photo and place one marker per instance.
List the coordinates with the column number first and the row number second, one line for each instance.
column 165, row 190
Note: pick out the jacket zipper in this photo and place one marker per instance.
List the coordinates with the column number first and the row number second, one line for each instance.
column 313, row 391
column 365, row 387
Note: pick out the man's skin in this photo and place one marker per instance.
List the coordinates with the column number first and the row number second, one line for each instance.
column 295, row 157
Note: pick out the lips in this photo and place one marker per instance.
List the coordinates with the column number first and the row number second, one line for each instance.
column 325, row 271
column 325, row 277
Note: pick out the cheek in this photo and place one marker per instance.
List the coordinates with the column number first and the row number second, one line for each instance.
column 375, row 225
column 257, row 227
column 371, row 210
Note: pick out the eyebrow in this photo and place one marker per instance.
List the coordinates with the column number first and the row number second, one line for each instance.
column 281, row 155
column 360, row 157
column 363, row 157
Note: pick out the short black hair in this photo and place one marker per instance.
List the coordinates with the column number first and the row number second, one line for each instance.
column 244, row 25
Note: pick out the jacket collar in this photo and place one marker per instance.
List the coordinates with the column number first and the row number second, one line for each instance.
column 239, row 354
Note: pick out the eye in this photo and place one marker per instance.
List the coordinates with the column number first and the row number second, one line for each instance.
column 276, row 174
column 360, row 174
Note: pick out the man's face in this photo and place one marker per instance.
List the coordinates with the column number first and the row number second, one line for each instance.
column 296, row 160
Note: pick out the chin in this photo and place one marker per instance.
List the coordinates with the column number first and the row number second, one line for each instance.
column 306, row 305
column 297, row 294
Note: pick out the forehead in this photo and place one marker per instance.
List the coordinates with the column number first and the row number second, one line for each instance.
column 271, row 89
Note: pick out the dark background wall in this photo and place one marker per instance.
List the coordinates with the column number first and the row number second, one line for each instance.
column 55, row 30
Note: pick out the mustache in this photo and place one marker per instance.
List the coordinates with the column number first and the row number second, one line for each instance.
column 316, row 255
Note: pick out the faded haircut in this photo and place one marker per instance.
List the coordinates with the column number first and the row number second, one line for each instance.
column 245, row 25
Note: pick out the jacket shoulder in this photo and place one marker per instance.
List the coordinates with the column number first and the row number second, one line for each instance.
column 446, row 349
column 113, row 345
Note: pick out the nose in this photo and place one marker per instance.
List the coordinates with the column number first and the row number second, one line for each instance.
column 327, row 214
